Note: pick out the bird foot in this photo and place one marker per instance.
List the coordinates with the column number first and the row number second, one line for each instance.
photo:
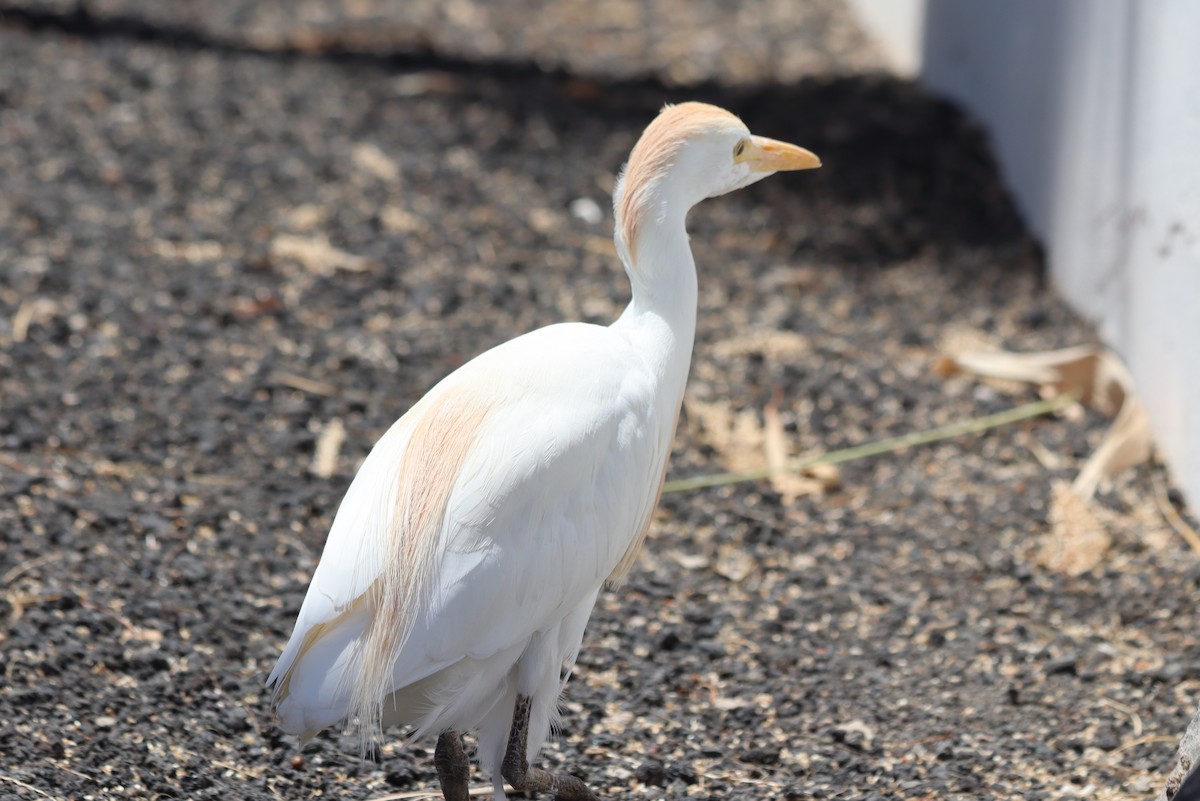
column 521, row 776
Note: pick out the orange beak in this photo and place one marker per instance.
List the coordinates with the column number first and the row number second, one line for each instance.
column 769, row 155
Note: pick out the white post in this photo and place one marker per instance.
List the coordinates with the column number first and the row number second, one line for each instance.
column 1093, row 107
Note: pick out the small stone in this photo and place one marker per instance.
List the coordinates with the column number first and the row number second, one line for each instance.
column 1064, row 664
column 767, row 755
column 855, row 734
column 588, row 210
column 652, row 772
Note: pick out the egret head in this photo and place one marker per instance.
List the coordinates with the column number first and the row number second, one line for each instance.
column 690, row 152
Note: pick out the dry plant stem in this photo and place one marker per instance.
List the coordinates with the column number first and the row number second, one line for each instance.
column 1172, row 516
column 420, row 795
column 29, row 787
column 973, row 426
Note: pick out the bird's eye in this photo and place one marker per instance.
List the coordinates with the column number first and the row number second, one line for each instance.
column 739, row 149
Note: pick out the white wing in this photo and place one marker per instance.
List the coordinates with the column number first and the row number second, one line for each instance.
column 548, row 452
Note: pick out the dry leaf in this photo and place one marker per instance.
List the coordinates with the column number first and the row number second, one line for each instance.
column 688, row 561
column 823, row 477
column 192, row 252
column 956, row 339
column 1099, row 379
column 1127, row 442
column 1077, row 541
column 776, row 447
column 744, row 444
column 139, row 634
column 736, row 436
column 733, row 563
column 315, row 254
column 370, row 158
column 36, row 311
column 397, row 219
column 857, row 731
column 792, row 484
column 543, row 220
column 329, row 444
column 302, row 383
column 1095, row 375
column 782, row 345
column 306, row 217
column 727, row 703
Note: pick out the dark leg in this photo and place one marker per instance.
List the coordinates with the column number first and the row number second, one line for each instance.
column 450, row 759
column 516, row 768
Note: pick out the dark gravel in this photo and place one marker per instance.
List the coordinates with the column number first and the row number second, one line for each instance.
column 208, row 253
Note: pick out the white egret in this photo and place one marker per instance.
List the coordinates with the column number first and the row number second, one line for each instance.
column 464, row 561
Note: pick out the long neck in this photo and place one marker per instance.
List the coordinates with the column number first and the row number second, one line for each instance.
column 662, row 313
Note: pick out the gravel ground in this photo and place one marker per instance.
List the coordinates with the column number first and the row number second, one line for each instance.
column 216, row 246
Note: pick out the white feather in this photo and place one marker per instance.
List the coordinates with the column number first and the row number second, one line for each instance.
column 559, row 480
